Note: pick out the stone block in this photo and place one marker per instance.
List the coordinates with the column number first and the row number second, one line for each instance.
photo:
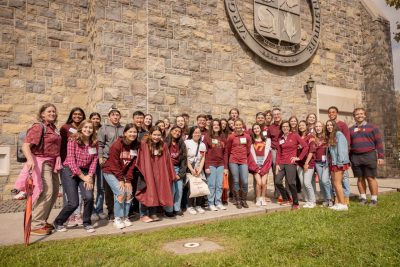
column 16, row 3
column 134, row 64
column 17, row 83
column 170, row 100
column 6, row 13
column 4, row 82
column 123, row 28
column 22, row 58
column 157, row 21
column 121, row 74
column 113, row 39
column 178, row 81
column 113, row 13
column 187, row 21
column 6, row 107
column 12, row 128
column 35, row 87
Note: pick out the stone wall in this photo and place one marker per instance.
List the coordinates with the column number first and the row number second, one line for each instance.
column 166, row 57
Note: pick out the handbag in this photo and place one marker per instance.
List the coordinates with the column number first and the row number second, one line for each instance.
column 197, row 186
column 225, row 182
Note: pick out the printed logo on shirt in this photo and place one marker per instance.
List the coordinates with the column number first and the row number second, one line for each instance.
column 92, row 151
column 133, row 152
column 73, row 130
column 265, row 133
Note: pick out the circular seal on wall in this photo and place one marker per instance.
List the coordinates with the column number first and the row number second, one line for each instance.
column 282, row 32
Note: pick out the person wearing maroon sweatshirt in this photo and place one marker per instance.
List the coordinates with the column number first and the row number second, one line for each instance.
column 118, row 172
column 344, row 129
column 215, row 164
column 237, row 152
column 286, row 160
column 305, row 167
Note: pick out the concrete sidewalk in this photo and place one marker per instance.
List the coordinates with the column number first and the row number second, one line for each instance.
column 11, row 228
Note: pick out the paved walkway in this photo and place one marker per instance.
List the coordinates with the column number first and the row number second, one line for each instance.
column 11, row 230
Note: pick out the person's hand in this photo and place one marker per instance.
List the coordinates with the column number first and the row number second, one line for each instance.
column 88, row 186
column 197, row 172
column 102, row 161
column 30, row 164
column 278, row 169
column 128, row 187
column 226, row 171
column 381, row 161
column 121, row 186
column 193, row 172
column 294, row 159
column 208, row 171
column 177, row 177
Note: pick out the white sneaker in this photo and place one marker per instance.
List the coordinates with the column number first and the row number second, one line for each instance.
column 212, row 208
column 309, row 205
column 334, row 207
column 263, row 201
column 89, row 229
column 258, row 202
column 118, row 223
column 200, row 209
column 127, row 222
column 342, row 207
column 192, row 211
column 221, row 207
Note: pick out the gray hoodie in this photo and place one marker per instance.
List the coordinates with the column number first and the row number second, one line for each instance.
column 106, row 136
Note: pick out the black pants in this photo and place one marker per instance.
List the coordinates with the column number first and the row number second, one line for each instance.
column 109, row 197
column 288, row 171
column 70, row 185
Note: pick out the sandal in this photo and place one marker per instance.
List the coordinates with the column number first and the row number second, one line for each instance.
column 146, row 219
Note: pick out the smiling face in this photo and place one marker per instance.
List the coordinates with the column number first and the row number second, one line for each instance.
column 161, row 125
column 215, row 126
column 319, row 127
column 131, row 134
column 77, row 117
column 148, row 120
column 87, row 129
column 49, row 115
column 329, row 126
column 96, row 121
column 196, row 135
column 302, row 127
column 180, row 122
column 332, row 114
column 256, row 130
column 268, row 118
column 156, row 136
column 276, row 114
column 231, row 124
column 201, row 123
column 285, row 128
column 234, row 114
column 224, row 124
column 311, row 119
column 138, row 120
column 176, row 133
column 238, row 127
column 114, row 117
column 167, row 123
column 293, row 123
column 359, row 116
column 260, row 119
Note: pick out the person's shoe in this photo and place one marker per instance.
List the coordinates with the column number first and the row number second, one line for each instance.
column 179, row 213
column 200, row 210
column 60, row 228
column 295, row 207
column 118, row 223
column 263, row 201
column 94, row 217
column 49, row 226
column 342, row 207
column 363, row 201
column 280, row 200
column 78, row 220
column 334, row 207
column 155, row 218
column 169, row 214
column 286, row 203
column 212, row 208
column 309, row 205
column 306, row 205
column 41, row 231
column 146, row 219
column 330, row 203
column 111, row 217
column 373, row 203
column 244, row 204
column 72, row 221
column 102, row 216
column 127, row 222
column 89, row 229
column 221, row 207
column 258, row 202
column 192, row 210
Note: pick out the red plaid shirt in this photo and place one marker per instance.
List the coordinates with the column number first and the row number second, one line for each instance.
column 81, row 156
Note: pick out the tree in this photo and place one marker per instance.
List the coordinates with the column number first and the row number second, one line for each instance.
column 396, row 5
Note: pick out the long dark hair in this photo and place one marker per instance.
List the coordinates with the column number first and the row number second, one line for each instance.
column 253, row 135
column 227, row 130
column 191, row 131
column 95, row 114
column 331, row 137
column 69, row 120
column 135, row 142
column 152, row 146
column 298, row 129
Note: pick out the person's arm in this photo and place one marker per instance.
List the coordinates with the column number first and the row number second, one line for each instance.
column 346, row 133
column 183, row 164
column 101, row 138
column 26, row 149
column 341, row 148
column 304, row 147
column 114, row 163
column 32, row 138
column 379, row 145
column 93, row 165
column 72, row 150
column 228, row 148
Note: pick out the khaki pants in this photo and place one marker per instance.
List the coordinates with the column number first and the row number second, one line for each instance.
column 46, row 200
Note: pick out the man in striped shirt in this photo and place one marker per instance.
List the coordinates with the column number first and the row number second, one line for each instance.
column 365, row 154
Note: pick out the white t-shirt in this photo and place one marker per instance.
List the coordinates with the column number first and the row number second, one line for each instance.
column 191, row 147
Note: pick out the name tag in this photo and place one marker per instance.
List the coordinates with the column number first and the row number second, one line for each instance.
column 92, row 151
column 156, row 152
column 323, row 158
column 281, row 141
column 133, row 152
column 73, row 130
column 243, row 141
column 264, row 133
column 215, row 141
column 356, row 130
column 202, row 138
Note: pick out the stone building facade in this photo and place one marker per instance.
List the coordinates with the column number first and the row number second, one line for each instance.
column 167, row 57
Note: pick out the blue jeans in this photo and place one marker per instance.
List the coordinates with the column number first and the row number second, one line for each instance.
column 177, row 188
column 121, row 208
column 214, row 181
column 239, row 171
column 324, row 179
column 306, row 183
column 346, row 184
column 146, row 211
column 98, row 207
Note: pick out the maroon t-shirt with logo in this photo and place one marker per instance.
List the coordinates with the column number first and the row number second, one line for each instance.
column 174, row 151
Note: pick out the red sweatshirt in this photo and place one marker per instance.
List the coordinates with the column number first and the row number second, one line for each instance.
column 287, row 148
column 238, row 148
column 121, row 160
column 274, row 132
column 215, row 155
column 342, row 126
column 310, row 140
column 320, row 150
column 65, row 131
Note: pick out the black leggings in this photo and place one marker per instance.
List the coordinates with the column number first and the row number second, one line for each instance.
column 289, row 171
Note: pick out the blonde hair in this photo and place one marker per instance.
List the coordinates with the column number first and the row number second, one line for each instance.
column 78, row 136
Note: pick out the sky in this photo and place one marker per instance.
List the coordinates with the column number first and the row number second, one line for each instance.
column 392, row 15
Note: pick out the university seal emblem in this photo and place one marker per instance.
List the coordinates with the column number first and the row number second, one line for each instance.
column 282, row 32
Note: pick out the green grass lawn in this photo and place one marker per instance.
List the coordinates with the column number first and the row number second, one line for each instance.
column 363, row 236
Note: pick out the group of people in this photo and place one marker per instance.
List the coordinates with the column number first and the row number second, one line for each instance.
column 148, row 168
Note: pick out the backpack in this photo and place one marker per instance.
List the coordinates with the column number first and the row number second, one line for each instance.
column 21, row 139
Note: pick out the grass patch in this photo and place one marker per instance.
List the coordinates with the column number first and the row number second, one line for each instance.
column 362, row 236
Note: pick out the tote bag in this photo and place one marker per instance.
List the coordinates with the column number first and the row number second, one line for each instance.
column 197, row 186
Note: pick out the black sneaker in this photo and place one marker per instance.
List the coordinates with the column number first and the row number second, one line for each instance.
column 373, row 203
column 111, row 217
column 178, row 213
column 169, row 214
column 363, row 201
